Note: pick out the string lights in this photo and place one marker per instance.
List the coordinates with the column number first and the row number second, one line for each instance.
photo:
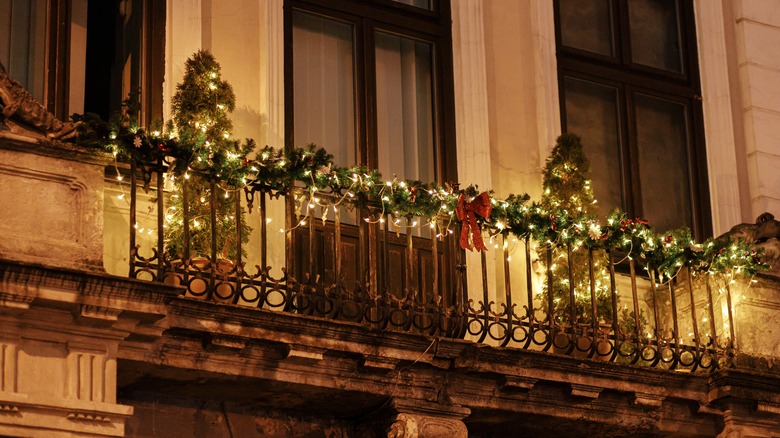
column 197, row 145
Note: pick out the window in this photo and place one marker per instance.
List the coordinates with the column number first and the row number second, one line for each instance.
column 125, row 52
column 629, row 86
column 371, row 82
column 33, row 47
column 22, row 37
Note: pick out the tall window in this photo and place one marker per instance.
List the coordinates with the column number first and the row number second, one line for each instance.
column 125, row 53
column 629, row 86
column 371, row 83
column 22, row 43
column 34, row 39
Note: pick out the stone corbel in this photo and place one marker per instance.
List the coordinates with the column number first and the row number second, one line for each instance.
column 651, row 400
column 768, row 407
column 586, row 391
column 229, row 342
column 379, row 363
column 519, row 382
column 12, row 302
column 99, row 313
column 302, row 353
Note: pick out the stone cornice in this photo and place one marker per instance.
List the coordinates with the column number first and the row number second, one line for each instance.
column 224, row 344
column 38, row 282
column 53, row 148
column 744, row 384
column 261, row 324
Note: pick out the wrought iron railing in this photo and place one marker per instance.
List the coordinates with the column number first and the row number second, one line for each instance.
column 358, row 263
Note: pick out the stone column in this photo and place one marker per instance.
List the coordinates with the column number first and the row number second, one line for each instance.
column 757, row 27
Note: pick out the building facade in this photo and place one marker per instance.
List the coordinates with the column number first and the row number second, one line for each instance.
column 675, row 104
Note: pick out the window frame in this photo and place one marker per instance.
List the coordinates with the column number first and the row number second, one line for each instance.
column 367, row 17
column 629, row 79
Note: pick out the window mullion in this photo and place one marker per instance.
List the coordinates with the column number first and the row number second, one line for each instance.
column 632, row 184
column 367, row 58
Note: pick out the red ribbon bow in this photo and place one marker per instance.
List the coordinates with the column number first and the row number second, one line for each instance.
column 466, row 215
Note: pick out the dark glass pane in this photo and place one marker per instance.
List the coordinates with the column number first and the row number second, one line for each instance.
column 587, row 25
column 404, row 108
column 591, row 113
column 662, row 141
column 404, row 111
column 655, row 35
column 324, row 103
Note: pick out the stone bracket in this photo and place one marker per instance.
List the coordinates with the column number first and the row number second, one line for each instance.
column 586, row 391
column 379, row 363
column 519, row 382
column 768, row 407
column 301, row 353
column 14, row 302
column 645, row 399
column 228, row 342
column 99, row 312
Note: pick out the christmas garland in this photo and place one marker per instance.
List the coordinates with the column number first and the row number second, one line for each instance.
column 313, row 170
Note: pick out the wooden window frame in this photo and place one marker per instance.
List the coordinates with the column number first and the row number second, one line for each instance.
column 630, row 78
column 433, row 26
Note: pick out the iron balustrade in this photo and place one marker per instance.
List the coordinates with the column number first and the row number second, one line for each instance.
column 316, row 280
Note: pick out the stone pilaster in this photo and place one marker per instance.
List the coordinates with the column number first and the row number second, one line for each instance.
column 741, row 420
column 60, row 332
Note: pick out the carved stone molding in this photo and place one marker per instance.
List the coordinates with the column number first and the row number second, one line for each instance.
column 81, row 416
column 586, row 391
column 41, row 415
column 652, row 400
column 418, row 418
column 229, row 342
column 304, row 353
column 768, row 407
column 9, row 409
column 15, row 302
column 379, row 363
column 413, row 426
column 519, row 382
column 22, row 114
column 99, row 312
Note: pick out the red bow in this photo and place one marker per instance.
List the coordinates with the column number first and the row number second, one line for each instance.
column 466, row 215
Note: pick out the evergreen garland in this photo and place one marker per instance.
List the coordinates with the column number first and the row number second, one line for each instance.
column 197, row 147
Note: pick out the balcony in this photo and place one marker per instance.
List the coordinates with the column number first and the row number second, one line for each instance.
column 377, row 269
column 344, row 313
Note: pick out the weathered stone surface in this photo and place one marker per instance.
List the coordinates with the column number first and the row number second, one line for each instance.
column 59, row 335
column 21, row 114
column 757, row 320
column 168, row 417
column 255, row 372
column 53, row 211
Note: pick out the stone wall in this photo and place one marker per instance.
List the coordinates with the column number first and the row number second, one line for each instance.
column 170, row 417
column 52, row 195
